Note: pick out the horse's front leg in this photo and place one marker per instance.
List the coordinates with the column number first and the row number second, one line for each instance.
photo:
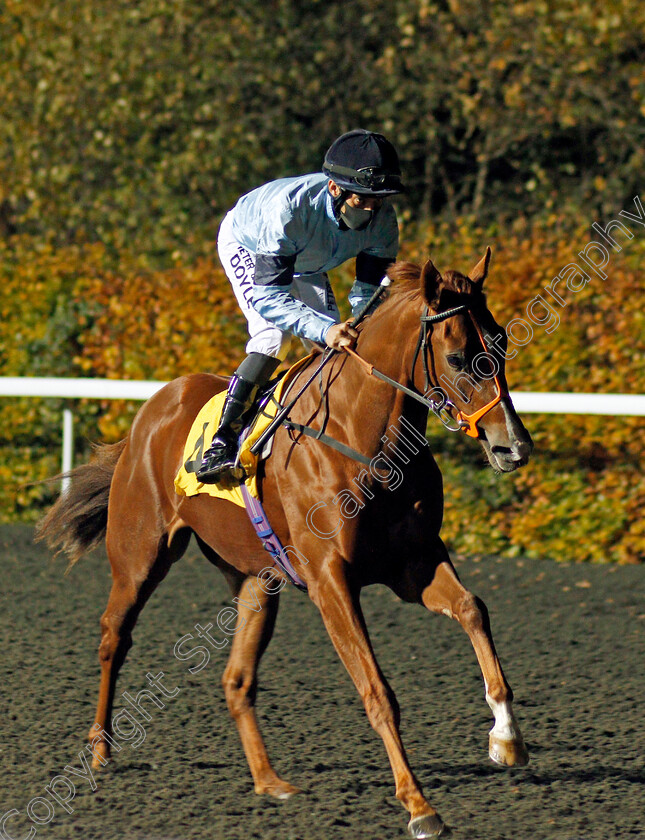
column 437, row 586
column 343, row 618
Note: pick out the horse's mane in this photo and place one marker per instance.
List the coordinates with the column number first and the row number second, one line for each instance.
column 406, row 278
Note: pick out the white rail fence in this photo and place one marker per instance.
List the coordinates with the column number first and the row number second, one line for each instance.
column 527, row 402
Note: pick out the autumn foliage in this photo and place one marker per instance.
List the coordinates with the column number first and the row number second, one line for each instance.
column 79, row 310
column 158, row 325
column 143, row 122
column 581, row 497
column 129, row 129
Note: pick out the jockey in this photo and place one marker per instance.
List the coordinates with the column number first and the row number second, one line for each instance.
column 276, row 246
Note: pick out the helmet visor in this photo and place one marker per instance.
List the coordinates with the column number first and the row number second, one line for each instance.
column 375, row 179
column 369, row 179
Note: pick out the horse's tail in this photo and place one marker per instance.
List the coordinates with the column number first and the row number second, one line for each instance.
column 77, row 521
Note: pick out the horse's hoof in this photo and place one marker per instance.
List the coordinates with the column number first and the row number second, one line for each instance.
column 430, row 825
column 508, row 753
column 101, row 752
column 279, row 790
column 287, row 793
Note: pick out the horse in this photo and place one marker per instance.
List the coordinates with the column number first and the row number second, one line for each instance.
column 349, row 526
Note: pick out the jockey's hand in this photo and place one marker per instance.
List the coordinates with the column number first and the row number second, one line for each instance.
column 341, row 335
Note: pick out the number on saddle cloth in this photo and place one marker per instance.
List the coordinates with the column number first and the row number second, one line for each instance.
column 264, row 396
column 194, row 462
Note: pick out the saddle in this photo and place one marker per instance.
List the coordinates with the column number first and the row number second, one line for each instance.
column 255, row 421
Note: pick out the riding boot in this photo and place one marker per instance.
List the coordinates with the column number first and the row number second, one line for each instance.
column 221, row 455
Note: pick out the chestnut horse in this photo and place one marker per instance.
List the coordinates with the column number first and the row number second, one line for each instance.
column 348, row 526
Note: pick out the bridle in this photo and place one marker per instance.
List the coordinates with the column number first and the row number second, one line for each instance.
column 444, row 407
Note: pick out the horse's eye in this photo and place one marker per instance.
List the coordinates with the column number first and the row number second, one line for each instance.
column 456, row 361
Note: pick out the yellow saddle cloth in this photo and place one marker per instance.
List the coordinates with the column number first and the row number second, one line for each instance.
column 201, row 434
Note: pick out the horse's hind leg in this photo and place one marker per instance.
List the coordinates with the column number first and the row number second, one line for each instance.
column 256, row 617
column 442, row 592
column 139, row 563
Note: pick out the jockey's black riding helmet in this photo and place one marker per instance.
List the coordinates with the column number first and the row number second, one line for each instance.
column 365, row 163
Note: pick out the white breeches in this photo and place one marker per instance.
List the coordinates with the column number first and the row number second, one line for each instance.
column 239, row 265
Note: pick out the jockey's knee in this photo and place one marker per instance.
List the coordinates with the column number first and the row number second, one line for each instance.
column 257, row 367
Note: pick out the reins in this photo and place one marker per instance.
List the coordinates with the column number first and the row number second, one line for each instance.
column 422, row 344
column 372, row 371
column 329, row 354
column 442, row 408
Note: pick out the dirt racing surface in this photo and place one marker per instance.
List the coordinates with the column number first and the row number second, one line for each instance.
column 571, row 640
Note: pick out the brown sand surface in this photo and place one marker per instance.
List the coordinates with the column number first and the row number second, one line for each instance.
column 571, row 639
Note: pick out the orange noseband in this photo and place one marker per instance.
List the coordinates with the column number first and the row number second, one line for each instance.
column 468, row 422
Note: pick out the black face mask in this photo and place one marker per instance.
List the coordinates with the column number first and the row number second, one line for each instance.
column 356, row 218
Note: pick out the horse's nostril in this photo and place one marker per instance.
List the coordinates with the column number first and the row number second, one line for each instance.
column 522, row 448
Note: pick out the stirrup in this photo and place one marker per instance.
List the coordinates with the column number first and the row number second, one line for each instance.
column 220, row 459
column 214, row 465
column 227, row 476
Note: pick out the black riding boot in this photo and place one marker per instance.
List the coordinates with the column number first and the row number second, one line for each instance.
column 221, row 455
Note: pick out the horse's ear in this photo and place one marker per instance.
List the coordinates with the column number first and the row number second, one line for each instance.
column 480, row 271
column 430, row 283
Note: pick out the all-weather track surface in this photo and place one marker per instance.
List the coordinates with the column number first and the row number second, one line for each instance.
column 571, row 639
